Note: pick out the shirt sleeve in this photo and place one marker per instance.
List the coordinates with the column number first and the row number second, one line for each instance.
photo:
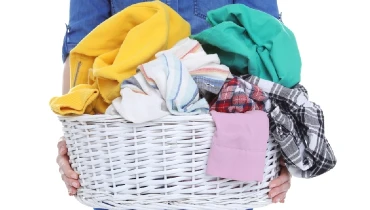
column 84, row 16
column 267, row 6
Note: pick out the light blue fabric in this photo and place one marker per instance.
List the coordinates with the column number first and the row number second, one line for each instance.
column 85, row 15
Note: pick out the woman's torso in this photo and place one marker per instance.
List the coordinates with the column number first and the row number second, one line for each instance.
column 195, row 11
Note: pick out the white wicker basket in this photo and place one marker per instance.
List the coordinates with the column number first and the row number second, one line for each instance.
column 156, row 165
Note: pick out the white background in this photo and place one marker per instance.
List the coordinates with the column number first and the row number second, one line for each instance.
column 333, row 37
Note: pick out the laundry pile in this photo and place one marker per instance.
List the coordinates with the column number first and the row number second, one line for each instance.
column 244, row 70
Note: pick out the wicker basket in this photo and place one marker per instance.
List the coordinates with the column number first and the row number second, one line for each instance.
column 156, row 165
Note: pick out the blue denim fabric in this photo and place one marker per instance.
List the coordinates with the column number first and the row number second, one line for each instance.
column 85, row 15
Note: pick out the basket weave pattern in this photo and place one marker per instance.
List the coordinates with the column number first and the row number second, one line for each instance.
column 156, row 165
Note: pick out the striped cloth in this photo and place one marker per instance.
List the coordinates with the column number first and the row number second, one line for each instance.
column 206, row 69
column 168, row 75
column 176, row 78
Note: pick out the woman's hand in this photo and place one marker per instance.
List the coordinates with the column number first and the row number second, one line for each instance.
column 280, row 186
column 69, row 176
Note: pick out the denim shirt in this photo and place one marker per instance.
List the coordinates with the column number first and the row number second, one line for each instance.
column 85, row 15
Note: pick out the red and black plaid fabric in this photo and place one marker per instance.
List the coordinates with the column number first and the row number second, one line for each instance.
column 240, row 96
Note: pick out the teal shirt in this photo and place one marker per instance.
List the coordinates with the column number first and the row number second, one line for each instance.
column 252, row 42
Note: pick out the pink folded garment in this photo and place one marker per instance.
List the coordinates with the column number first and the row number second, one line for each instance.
column 239, row 145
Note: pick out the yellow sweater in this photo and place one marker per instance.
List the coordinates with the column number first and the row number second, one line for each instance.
column 112, row 51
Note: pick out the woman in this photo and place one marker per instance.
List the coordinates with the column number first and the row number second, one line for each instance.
column 85, row 15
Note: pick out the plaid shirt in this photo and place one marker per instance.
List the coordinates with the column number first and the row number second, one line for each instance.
column 240, row 96
column 297, row 124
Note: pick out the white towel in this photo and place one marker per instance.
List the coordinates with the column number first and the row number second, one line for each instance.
column 138, row 102
column 170, row 84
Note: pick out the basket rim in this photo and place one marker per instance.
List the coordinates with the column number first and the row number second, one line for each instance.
column 169, row 118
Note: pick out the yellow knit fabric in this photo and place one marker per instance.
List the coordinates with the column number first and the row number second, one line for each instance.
column 112, row 51
column 82, row 96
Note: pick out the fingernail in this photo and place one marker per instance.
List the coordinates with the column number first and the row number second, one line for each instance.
column 74, row 184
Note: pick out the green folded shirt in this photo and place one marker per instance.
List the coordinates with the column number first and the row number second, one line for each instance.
column 251, row 41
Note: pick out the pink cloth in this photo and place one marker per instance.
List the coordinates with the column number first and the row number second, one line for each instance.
column 239, row 145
